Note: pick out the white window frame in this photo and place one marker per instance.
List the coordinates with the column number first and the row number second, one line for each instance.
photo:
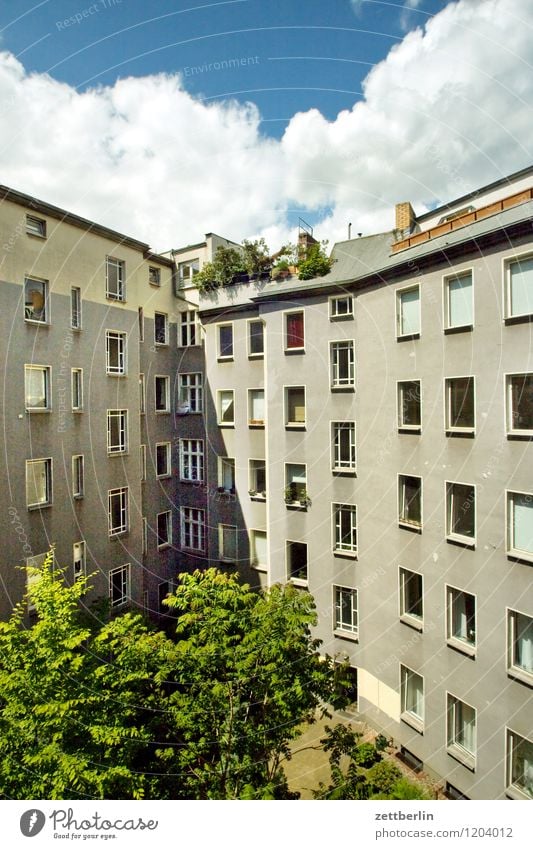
column 251, row 421
column 449, row 427
column 48, row 481
column 142, row 394
column 168, row 465
column 451, row 535
column 513, row 668
column 168, row 522
column 297, row 483
column 339, row 381
column 154, row 275
column 142, row 462
column 258, row 355
column 35, row 226
column 286, row 347
column 225, row 530
column 144, row 540
column 348, row 630
column 339, row 547
column 191, row 265
column 334, row 315
column 29, row 314
column 289, row 423
column 463, row 644
column 298, row 582
column 78, row 476
column 338, row 465
column 253, row 490
column 119, row 369
column 166, row 379
column 122, row 495
column 507, row 262
column 75, row 308
column 125, row 595
column 194, row 517
column 408, row 618
column 454, row 748
column 157, row 342
column 220, row 421
column 46, row 372
column 447, row 280
column 512, row 551
column 192, row 460
column 79, row 556
column 121, row 447
column 410, row 717
column 254, row 560
column 403, row 425
column 120, row 266
column 76, row 389
column 515, row 791
column 191, row 386
column 226, row 469
column 219, row 328
column 413, row 334
column 510, row 414
column 189, row 329
column 403, row 507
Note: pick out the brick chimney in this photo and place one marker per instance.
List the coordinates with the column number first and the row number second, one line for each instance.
column 305, row 240
column 405, row 217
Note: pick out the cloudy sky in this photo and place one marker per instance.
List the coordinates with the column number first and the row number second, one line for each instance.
column 172, row 119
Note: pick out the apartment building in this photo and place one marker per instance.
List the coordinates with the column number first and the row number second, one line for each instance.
column 366, row 436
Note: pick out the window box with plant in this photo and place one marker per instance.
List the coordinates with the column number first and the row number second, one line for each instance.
column 296, row 496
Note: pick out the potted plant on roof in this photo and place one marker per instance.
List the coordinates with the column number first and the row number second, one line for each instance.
column 256, row 258
column 316, row 264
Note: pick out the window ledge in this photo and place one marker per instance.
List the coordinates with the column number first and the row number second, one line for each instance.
column 412, row 622
column 408, row 337
column 464, row 328
column 118, row 453
column 259, row 567
column 467, row 432
column 299, row 582
column 465, row 542
column 520, row 675
column 413, row 721
column 33, row 410
column 116, row 374
column 227, row 424
column 256, row 356
column 295, row 426
column 461, row 755
column 76, row 329
column 225, row 359
column 296, row 505
column 514, row 792
column 524, row 435
column 41, row 236
column 163, row 477
column 344, row 472
column 39, row 506
column 410, row 526
column 259, row 498
column 346, row 635
column 160, row 344
column 117, row 534
column 415, row 429
column 519, row 556
column 461, row 646
column 351, row 555
column 347, row 317
column 518, row 319
column 164, row 546
column 37, row 322
column 256, row 425
column 350, row 387
column 291, row 351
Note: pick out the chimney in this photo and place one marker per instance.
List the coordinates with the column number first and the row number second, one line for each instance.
column 305, row 240
column 405, row 216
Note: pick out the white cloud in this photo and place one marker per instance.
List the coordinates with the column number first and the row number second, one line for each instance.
column 448, row 109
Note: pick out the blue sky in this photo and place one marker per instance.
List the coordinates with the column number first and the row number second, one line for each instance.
column 171, row 119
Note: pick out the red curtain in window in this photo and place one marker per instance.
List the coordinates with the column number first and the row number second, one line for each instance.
column 295, row 330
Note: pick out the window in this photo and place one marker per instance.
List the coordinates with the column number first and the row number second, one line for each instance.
column 411, row 598
column 191, row 459
column 38, row 483
column 408, row 312
column 461, row 620
column 409, row 405
column 256, row 341
column 226, row 474
column 142, row 462
column 460, row 404
column 520, row 404
column 76, row 378
column 344, row 528
column 410, row 501
column 341, row 307
column 77, row 476
column 295, row 406
column 257, row 474
column 161, row 328
column 345, row 611
column 35, row 226
column 75, row 308
column 79, row 559
column 162, row 459
column 226, row 408
column 115, row 279
column 188, row 270
column 294, row 331
column 189, row 332
column 461, row 731
column 295, row 483
column 117, row 431
column 258, row 550
column 141, row 324
column 297, row 567
column 119, row 586
column 519, row 766
column 225, row 341
column 412, row 698
column 256, row 407
column 115, row 348
column 227, row 543
column 162, row 394
column 191, row 392
column 520, row 645
column 458, row 300
column 142, row 394
column 344, row 459
column 36, row 300
column 154, row 275
column 164, row 529
column 519, row 289
column 192, row 529
column 118, row 510
column 342, row 359
column 461, row 513
column 520, row 524
column 37, row 388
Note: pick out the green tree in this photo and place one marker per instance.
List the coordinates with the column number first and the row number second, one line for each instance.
column 316, row 264
column 256, row 256
column 226, row 263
